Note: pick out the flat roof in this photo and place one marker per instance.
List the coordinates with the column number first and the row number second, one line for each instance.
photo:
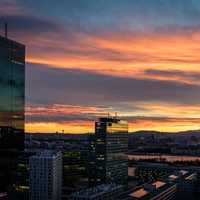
column 158, row 184
column 96, row 191
column 144, row 191
column 183, row 172
column 174, row 177
column 191, row 177
column 46, row 154
column 139, row 193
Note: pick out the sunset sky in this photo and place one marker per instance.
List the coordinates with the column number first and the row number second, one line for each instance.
column 87, row 58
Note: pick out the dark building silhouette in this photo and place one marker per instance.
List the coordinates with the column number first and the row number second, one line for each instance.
column 12, row 92
column 109, row 160
column 22, row 188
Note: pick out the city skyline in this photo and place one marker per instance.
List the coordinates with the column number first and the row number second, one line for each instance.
column 86, row 59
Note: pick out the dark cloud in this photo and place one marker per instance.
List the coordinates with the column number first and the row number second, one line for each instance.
column 26, row 26
column 33, row 25
column 57, row 118
column 52, row 85
column 101, row 17
column 184, row 75
column 138, row 13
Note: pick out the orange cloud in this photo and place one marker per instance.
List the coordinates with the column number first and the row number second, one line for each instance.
column 61, row 109
column 168, row 110
column 158, row 124
column 129, row 55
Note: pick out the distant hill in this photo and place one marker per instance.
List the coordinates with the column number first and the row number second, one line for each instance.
column 146, row 133
column 142, row 133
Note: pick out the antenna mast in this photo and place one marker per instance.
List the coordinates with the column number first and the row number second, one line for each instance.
column 6, row 30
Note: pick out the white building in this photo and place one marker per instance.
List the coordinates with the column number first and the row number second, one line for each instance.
column 46, row 176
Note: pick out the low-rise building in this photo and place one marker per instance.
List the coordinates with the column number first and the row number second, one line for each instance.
column 100, row 192
column 158, row 190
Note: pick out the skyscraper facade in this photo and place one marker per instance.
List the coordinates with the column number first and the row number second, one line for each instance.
column 111, row 147
column 45, row 177
column 12, row 95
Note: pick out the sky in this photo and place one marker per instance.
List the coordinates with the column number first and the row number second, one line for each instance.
column 86, row 58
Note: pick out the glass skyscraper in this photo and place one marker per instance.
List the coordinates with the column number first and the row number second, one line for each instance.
column 12, row 95
column 110, row 147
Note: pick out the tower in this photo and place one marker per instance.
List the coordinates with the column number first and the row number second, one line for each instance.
column 111, row 147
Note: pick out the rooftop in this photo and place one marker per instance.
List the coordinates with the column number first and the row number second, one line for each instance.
column 191, row 177
column 148, row 189
column 181, row 175
column 139, row 193
column 158, row 184
column 173, row 177
column 96, row 191
column 109, row 119
column 46, row 153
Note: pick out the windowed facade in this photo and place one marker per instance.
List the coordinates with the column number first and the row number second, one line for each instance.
column 111, row 146
column 45, row 176
column 12, row 93
column 12, row 90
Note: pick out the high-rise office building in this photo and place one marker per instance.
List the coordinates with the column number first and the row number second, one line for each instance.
column 12, row 87
column 45, row 177
column 111, row 146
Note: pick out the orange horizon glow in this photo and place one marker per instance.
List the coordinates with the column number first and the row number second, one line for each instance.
column 161, row 119
column 82, row 127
